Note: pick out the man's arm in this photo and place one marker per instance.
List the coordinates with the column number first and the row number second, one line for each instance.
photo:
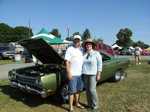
column 69, row 75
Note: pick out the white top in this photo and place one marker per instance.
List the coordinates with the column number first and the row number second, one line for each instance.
column 138, row 50
column 75, row 57
column 92, row 63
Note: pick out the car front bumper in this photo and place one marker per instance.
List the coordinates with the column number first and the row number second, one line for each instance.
column 29, row 89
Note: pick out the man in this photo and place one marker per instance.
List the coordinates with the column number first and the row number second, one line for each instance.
column 137, row 55
column 74, row 61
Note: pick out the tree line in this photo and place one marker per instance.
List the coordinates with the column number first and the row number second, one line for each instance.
column 10, row 34
column 124, row 39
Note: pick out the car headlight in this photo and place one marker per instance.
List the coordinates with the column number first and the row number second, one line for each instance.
column 4, row 53
column 38, row 82
column 12, row 74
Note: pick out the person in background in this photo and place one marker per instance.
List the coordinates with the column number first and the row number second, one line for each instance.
column 91, row 70
column 137, row 55
column 74, row 61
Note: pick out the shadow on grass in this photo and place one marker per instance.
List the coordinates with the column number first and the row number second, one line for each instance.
column 30, row 99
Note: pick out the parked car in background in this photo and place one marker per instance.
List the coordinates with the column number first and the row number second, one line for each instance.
column 10, row 54
column 145, row 52
column 49, row 76
column 126, row 51
column 3, row 49
column 26, row 56
column 9, row 50
column 105, row 48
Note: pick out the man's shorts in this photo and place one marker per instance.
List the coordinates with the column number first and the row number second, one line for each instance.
column 75, row 85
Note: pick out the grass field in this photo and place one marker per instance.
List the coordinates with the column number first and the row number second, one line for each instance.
column 129, row 95
column 2, row 62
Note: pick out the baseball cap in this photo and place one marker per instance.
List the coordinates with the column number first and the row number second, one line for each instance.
column 76, row 37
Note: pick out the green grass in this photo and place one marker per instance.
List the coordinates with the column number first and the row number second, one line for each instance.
column 129, row 95
column 2, row 62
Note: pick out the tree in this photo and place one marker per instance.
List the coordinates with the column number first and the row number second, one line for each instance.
column 86, row 34
column 9, row 34
column 55, row 32
column 125, row 44
column 98, row 40
column 6, row 33
column 124, row 37
column 21, row 32
column 76, row 33
column 71, row 37
column 141, row 44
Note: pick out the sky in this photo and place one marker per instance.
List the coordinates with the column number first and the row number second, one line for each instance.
column 104, row 18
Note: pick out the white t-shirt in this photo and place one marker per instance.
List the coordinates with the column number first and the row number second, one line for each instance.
column 75, row 57
column 137, row 51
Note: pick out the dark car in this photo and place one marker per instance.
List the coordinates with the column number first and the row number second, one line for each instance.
column 50, row 76
column 2, row 50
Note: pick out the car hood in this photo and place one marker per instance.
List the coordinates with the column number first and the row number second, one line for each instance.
column 42, row 51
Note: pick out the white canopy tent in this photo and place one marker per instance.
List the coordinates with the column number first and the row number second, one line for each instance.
column 44, row 35
column 116, row 46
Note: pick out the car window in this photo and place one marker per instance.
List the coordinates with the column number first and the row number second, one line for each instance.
column 4, row 48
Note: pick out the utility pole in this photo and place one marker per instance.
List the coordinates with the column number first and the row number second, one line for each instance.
column 29, row 27
column 68, row 31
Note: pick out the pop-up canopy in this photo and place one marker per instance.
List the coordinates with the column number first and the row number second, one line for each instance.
column 49, row 38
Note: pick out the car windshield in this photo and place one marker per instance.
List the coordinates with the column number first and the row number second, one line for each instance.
column 4, row 48
column 105, row 57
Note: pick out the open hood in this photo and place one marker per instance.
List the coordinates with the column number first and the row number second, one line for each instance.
column 42, row 51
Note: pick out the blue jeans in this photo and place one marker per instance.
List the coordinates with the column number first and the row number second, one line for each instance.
column 90, row 88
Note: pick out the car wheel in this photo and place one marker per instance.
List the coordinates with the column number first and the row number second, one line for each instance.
column 64, row 90
column 119, row 75
column 64, row 93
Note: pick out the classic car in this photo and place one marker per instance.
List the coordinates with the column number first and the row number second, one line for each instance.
column 49, row 76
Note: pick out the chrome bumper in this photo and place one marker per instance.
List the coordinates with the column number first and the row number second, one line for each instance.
column 28, row 89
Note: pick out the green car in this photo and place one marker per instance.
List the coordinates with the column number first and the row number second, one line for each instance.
column 49, row 77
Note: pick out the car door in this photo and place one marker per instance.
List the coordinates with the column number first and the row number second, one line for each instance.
column 109, row 66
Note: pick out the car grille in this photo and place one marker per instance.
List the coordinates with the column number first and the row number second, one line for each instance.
column 26, row 80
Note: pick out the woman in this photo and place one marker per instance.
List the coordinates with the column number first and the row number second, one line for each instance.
column 91, row 70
